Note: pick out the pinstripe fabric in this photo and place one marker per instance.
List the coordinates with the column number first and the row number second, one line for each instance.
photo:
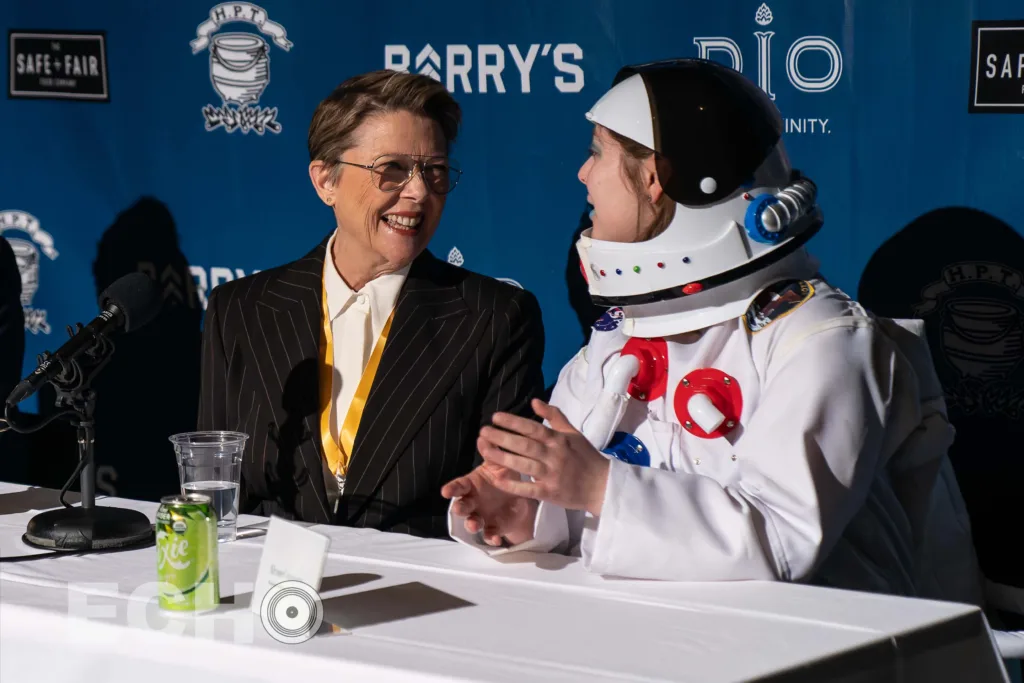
column 462, row 346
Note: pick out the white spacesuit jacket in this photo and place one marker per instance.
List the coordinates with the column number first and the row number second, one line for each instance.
column 836, row 473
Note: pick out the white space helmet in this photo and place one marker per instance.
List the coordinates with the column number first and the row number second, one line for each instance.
column 742, row 215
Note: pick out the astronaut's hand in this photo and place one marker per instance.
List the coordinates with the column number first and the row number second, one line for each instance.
column 487, row 507
column 564, row 467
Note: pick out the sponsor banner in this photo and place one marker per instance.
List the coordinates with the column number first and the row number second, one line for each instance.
column 58, row 65
column 997, row 67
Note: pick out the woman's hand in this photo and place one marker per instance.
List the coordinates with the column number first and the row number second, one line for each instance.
column 566, row 469
column 489, row 508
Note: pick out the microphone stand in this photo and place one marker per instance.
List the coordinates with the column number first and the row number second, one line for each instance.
column 86, row 527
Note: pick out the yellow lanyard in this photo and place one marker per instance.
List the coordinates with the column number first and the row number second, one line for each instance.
column 339, row 454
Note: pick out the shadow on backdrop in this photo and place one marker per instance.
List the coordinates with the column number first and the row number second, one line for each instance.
column 150, row 388
column 962, row 271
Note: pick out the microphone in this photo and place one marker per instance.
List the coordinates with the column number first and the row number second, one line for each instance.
column 127, row 304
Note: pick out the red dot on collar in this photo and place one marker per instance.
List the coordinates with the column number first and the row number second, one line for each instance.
column 692, row 288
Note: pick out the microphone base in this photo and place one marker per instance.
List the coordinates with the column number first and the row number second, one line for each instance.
column 94, row 528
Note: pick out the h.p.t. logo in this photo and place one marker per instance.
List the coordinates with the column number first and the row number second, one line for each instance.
column 240, row 67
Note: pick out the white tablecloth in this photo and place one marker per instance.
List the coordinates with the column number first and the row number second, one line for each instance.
column 432, row 610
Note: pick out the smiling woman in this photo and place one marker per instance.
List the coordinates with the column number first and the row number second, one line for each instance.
column 382, row 164
column 363, row 371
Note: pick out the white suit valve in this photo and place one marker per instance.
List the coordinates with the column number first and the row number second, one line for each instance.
column 599, row 426
column 704, row 413
column 639, row 372
column 708, row 403
column 651, row 380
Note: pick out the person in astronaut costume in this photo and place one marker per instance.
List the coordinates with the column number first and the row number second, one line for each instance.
column 733, row 417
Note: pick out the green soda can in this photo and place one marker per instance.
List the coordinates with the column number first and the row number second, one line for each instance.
column 186, row 551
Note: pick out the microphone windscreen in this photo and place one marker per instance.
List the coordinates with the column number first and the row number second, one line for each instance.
column 136, row 296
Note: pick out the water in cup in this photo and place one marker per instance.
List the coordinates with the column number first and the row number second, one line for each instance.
column 225, row 500
column 211, row 463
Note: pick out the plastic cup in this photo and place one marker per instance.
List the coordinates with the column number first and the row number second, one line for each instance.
column 211, row 463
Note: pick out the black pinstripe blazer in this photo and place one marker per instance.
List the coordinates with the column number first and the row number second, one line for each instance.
column 462, row 347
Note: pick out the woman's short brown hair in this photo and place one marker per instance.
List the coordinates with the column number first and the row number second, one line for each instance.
column 378, row 92
column 632, row 159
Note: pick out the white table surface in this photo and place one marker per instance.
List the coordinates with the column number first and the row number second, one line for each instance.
column 432, row 610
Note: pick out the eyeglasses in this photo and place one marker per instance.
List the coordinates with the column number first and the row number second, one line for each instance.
column 393, row 171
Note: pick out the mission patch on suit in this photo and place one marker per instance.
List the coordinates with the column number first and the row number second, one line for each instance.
column 777, row 300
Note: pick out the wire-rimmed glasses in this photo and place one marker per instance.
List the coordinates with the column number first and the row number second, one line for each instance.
column 393, row 171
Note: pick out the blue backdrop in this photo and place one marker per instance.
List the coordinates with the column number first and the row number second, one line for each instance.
column 874, row 93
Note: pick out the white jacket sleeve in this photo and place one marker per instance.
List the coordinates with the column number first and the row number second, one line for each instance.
column 824, row 426
column 555, row 528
